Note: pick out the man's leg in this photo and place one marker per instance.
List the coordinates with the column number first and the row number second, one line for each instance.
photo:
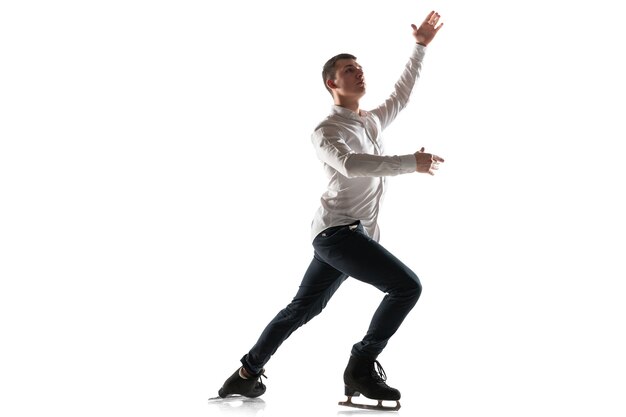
column 318, row 285
column 350, row 250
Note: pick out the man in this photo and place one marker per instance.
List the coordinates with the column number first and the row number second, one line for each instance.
column 345, row 231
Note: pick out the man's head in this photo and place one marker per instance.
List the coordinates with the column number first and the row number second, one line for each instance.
column 344, row 76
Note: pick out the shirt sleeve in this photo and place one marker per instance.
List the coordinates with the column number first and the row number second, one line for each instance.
column 332, row 149
column 399, row 98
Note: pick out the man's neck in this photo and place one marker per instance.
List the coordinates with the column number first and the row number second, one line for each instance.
column 352, row 105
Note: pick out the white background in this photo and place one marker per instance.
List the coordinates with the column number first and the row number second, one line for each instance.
column 157, row 184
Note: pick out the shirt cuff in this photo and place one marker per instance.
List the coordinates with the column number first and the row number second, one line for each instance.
column 408, row 163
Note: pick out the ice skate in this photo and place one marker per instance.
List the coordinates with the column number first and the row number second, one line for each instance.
column 237, row 384
column 367, row 377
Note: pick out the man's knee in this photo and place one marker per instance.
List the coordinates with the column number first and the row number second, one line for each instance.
column 301, row 312
column 413, row 287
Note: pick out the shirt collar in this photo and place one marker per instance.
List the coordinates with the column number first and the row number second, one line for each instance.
column 349, row 114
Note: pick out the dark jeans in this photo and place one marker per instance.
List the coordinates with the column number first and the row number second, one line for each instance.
column 340, row 252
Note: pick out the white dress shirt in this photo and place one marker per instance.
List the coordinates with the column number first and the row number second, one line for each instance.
column 351, row 148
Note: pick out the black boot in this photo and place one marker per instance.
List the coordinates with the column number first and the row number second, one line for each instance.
column 367, row 377
column 252, row 387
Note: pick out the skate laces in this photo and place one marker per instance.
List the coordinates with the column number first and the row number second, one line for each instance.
column 261, row 376
column 256, row 377
column 379, row 372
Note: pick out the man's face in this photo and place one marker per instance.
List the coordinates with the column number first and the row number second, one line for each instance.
column 349, row 80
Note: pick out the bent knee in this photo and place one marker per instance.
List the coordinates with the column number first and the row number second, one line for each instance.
column 418, row 288
column 414, row 286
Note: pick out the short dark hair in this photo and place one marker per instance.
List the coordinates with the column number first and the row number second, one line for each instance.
column 329, row 71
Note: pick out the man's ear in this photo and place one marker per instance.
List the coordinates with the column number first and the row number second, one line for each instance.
column 331, row 84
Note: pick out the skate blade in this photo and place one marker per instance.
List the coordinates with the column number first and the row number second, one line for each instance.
column 379, row 406
column 234, row 398
column 236, row 405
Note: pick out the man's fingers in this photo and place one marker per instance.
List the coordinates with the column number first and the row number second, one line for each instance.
column 434, row 19
column 427, row 163
column 429, row 16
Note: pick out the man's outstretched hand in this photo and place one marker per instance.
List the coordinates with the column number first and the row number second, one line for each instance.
column 427, row 163
column 428, row 29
